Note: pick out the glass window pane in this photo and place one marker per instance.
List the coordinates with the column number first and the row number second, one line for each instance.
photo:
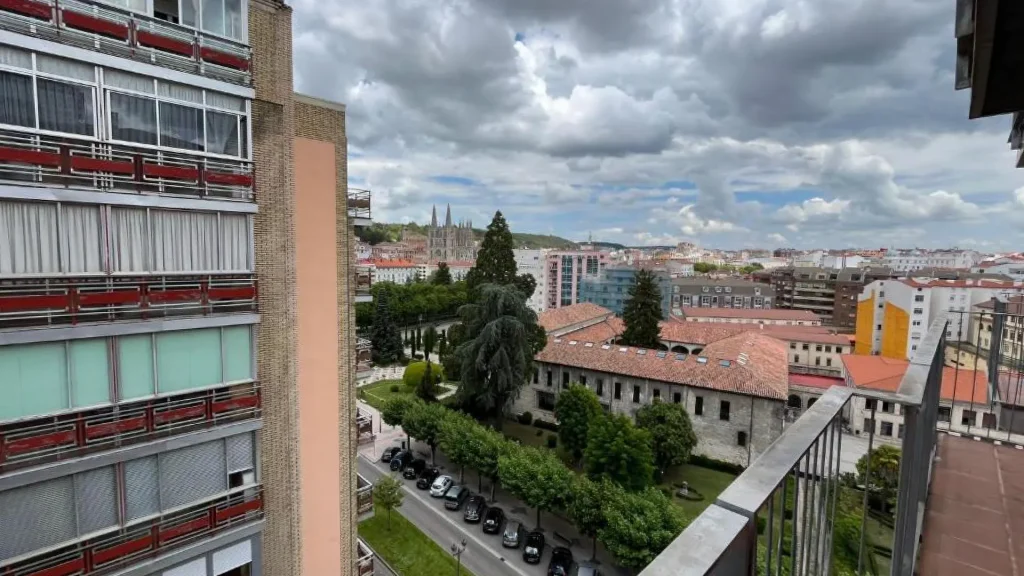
column 180, row 92
column 237, row 354
column 133, row 82
column 225, row 101
column 66, row 68
column 222, row 133
column 190, row 13
column 213, row 16
column 65, row 107
column 188, row 359
column 132, row 119
column 13, row 57
column 135, row 366
column 35, row 380
column 16, row 102
column 181, row 127
column 90, row 372
column 233, row 19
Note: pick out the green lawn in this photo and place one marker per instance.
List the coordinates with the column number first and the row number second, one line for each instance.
column 707, row 482
column 409, row 551
column 526, row 435
column 378, row 393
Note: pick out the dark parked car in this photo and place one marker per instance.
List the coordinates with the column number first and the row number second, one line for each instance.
column 561, row 562
column 414, row 468
column 493, row 519
column 475, row 507
column 401, row 460
column 427, row 477
column 514, row 534
column 534, row 548
column 389, row 454
column 455, row 496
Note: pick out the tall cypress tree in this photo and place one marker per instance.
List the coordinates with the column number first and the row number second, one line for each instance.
column 384, row 335
column 496, row 263
column 642, row 312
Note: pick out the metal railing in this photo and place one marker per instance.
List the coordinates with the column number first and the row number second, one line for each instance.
column 359, row 203
column 114, row 549
column 111, row 30
column 778, row 517
column 364, row 559
column 26, row 302
column 364, row 280
column 364, row 495
column 364, row 426
column 31, row 159
column 364, row 356
column 41, row 440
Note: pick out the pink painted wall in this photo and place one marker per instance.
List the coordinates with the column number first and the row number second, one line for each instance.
column 317, row 350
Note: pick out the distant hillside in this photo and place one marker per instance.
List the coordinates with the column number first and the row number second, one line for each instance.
column 384, row 232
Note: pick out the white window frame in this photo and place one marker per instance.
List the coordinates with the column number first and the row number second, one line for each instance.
column 149, row 11
column 35, row 74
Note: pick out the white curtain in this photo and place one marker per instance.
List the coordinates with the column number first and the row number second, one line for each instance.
column 184, row 241
column 128, row 240
column 65, row 68
column 181, row 92
column 234, row 233
column 81, row 238
column 118, row 79
column 17, row 58
column 28, row 238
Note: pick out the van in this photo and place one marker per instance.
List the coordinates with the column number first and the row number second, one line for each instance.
column 455, row 496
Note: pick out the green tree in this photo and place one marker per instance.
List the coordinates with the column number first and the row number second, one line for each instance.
column 619, row 451
column 429, row 341
column 443, row 276
column 425, row 388
column 414, row 372
column 417, row 346
column 387, row 493
column 671, row 433
column 535, row 476
column 486, row 447
column 387, row 343
column 496, row 262
column 586, row 507
column 704, row 268
column 454, row 439
column 885, row 473
column 394, row 409
column 442, row 347
column 497, row 355
column 642, row 312
column 526, row 284
column 639, row 526
column 456, row 335
column 422, row 421
column 575, row 409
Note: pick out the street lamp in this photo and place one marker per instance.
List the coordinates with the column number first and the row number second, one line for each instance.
column 457, row 550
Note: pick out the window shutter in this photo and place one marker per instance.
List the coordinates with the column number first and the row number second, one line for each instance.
column 36, row 516
column 239, row 452
column 192, row 473
column 96, row 499
column 142, row 489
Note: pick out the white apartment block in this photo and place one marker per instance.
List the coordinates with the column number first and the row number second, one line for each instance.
column 1011, row 265
column 911, row 260
column 532, row 262
column 399, row 272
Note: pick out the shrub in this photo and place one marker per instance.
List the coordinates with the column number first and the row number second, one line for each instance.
column 712, row 464
column 545, row 425
column 762, row 523
column 526, row 418
column 414, row 374
column 395, row 388
column 552, row 441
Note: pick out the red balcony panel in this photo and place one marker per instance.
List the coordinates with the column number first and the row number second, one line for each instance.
column 164, row 296
column 235, row 404
column 120, row 297
column 100, row 165
column 228, row 179
column 28, row 8
column 238, row 509
column 172, row 172
column 100, row 557
column 176, row 46
column 242, row 293
column 117, row 427
column 187, row 412
column 223, row 58
column 9, row 154
column 40, row 442
column 183, row 529
column 76, row 566
column 93, row 24
column 19, row 303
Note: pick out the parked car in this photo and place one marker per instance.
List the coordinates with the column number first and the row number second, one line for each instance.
column 493, row 519
column 414, row 468
column 561, row 562
column 513, row 536
column 533, row 549
column 440, row 486
column 427, row 477
column 389, row 453
column 401, row 460
column 455, row 497
column 475, row 507
column 587, row 570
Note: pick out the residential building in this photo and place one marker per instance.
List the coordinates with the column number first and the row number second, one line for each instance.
column 450, row 241
column 750, row 316
column 397, row 271
column 894, row 315
column 457, row 269
column 610, row 288
column 363, row 251
column 703, row 292
column 734, row 391
column 533, row 262
column 566, row 271
column 392, row 251
column 1011, row 265
column 915, row 259
column 831, row 293
column 136, row 435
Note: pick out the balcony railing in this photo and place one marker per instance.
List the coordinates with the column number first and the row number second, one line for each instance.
column 364, row 356
column 73, row 300
column 113, row 550
column 364, row 559
column 42, row 440
column 65, row 162
column 364, row 282
column 359, row 203
column 364, row 426
column 364, row 497
column 110, row 30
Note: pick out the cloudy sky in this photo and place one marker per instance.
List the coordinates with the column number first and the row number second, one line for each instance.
column 762, row 123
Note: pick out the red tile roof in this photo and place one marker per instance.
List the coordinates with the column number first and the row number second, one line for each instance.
column 700, row 332
column 752, row 313
column 885, row 374
column 393, row 263
column 566, row 316
column 748, row 363
column 601, row 332
column 967, row 283
column 820, row 382
column 705, row 333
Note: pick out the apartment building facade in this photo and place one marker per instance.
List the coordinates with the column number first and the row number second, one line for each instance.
column 914, row 260
column 610, row 289
column 151, row 393
column 566, row 271
column 720, row 293
column 831, row 293
column 533, row 262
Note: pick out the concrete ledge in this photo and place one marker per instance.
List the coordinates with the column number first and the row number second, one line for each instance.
column 201, row 548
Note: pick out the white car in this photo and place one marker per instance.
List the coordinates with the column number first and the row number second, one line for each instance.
column 440, row 486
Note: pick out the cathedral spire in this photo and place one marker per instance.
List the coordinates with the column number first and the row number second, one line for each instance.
column 448, row 217
column 433, row 217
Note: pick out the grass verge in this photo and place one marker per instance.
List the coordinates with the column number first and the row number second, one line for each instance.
column 408, row 550
column 707, row 482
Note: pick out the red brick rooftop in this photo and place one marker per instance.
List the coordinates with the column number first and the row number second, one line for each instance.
column 884, row 374
column 966, row 283
column 748, row 363
column 566, row 316
column 752, row 313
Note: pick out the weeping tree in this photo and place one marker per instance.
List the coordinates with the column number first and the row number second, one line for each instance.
column 497, row 354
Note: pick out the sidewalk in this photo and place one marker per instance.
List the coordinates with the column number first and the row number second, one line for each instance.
column 557, row 530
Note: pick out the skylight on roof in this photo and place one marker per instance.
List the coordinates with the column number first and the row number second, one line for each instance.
column 558, row 340
column 680, row 356
column 572, row 342
column 641, row 352
column 725, row 363
column 588, row 345
column 623, row 349
column 606, row 347
column 662, row 354
column 702, row 359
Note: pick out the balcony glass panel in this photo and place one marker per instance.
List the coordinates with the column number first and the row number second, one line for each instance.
column 17, row 107
column 132, row 119
column 81, row 245
column 135, row 366
column 182, row 127
column 222, row 132
column 90, row 372
column 35, row 380
column 188, row 360
column 133, row 5
column 237, row 353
